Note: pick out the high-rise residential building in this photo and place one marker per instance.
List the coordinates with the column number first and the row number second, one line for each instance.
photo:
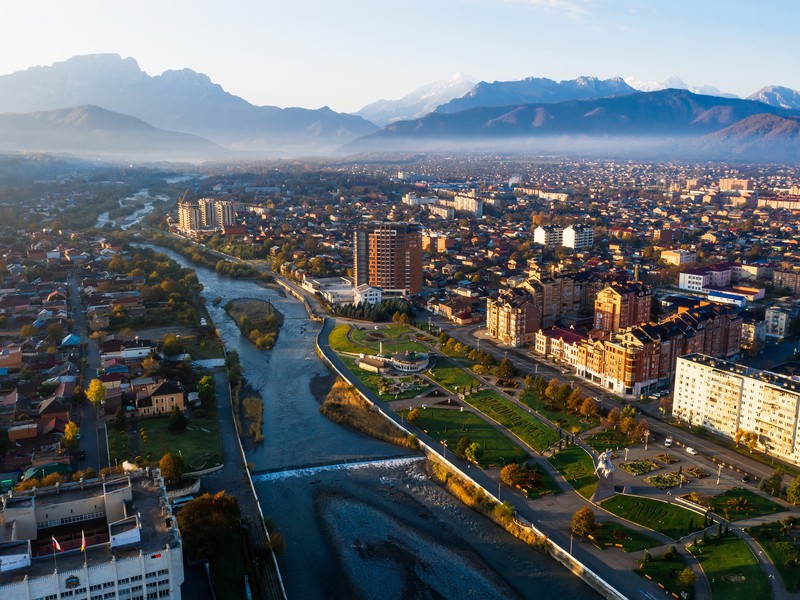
column 225, row 215
column 111, row 538
column 622, row 305
column 732, row 184
column 578, row 237
column 189, row 216
column 548, row 235
column 389, row 256
column 512, row 317
column 208, row 213
column 726, row 398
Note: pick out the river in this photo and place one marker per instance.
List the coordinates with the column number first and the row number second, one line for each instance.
column 373, row 528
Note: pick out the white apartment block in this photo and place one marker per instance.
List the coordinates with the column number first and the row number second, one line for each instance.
column 725, row 397
column 548, row 235
column 414, row 200
column 578, row 237
column 678, row 257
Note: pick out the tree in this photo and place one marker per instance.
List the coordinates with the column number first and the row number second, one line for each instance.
column 413, row 415
column 687, row 578
column 738, row 436
column 582, row 522
column 773, row 484
column 207, row 524
column 750, row 439
column 172, row 466
column 793, row 491
column 613, row 417
column 150, row 365
column 96, row 393
column 71, row 435
column 177, row 420
column 575, row 400
column 506, row 369
column 588, row 408
column 171, row 345
column 28, row 331
column 473, row 452
column 55, row 332
column 463, row 444
column 552, row 389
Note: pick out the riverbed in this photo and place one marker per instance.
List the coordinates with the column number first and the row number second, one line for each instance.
column 359, row 516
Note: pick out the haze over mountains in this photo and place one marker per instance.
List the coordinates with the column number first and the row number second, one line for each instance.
column 106, row 105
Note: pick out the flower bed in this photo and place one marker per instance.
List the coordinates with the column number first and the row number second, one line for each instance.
column 640, row 467
column 666, row 480
column 696, row 472
column 667, row 459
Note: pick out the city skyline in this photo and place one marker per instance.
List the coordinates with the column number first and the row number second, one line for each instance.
column 346, row 55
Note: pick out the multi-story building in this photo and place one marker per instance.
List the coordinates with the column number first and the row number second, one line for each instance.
column 208, row 214
column 414, row 200
column 558, row 344
column 225, row 213
column 732, row 184
column 548, row 235
column 512, row 317
column 678, row 257
column 131, row 545
column 726, row 397
column 702, row 278
column 189, row 216
column 578, row 237
column 622, row 305
column 754, row 333
column 389, row 256
column 787, row 279
column 465, row 203
column 777, row 320
column 635, row 360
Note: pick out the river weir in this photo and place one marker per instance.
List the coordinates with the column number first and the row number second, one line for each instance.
column 360, row 517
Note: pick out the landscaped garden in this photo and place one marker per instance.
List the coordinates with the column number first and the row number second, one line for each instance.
column 779, row 541
column 529, row 429
column 607, row 440
column 696, row 472
column 572, row 422
column 447, row 374
column 640, row 466
column 671, row 520
column 664, row 569
column 731, row 569
column 665, row 481
column 452, row 425
column 395, row 338
column 385, row 387
column 667, row 459
column 610, row 534
column 740, row 503
column 577, row 467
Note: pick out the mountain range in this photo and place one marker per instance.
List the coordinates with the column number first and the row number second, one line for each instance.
column 182, row 100
column 105, row 105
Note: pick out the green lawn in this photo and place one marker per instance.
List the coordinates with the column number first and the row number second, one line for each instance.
column 199, row 445
column 771, row 538
column 607, row 440
column 447, row 374
column 451, row 425
column 117, row 445
column 662, row 570
column 569, row 421
column 731, row 569
column 529, row 429
column 339, row 342
column 741, row 504
column 395, row 338
column 671, row 520
column 610, row 534
column 203, row 348
column 577, row 467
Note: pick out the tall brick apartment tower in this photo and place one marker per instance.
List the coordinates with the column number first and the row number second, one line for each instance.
column 389, row 256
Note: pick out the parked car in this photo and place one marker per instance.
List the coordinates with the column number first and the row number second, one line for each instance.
column 690, row 450
column 746, row 479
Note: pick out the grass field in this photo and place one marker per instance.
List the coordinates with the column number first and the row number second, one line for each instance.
column 568, row 421
column 772, row 539
column 447, row 374
column 610, row 534
column 199, row 445
column 741, row 503
column 732, row 570
column 395, row 338
column 339, row 342
column 669, row 519
column 607, row 440
column 577, row 467
column 117, row 445
column 451, row 425
column 529, row 429
column 662, row 570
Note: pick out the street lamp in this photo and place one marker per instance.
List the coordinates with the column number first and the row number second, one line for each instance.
column 626, row 454
column 444, row 449
column 646, row 437
column 719, row 472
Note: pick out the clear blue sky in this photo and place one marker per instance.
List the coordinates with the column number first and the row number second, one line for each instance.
column 347, row 53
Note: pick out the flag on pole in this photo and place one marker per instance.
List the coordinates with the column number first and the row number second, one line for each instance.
column 83, row 541
column 56, row 545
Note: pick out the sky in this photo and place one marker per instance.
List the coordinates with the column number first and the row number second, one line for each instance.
column 347, row 53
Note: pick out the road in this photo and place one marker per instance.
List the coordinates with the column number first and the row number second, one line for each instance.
column 93, row 433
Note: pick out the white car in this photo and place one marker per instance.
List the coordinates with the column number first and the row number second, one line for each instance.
column 668, row 442
column 690, row 450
